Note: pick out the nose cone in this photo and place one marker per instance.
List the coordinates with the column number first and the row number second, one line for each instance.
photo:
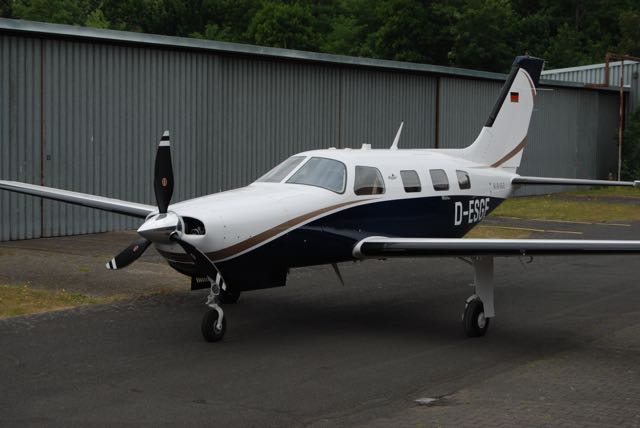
column 158, row 228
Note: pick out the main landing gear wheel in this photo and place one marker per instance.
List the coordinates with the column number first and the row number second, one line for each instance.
column 473, row 320
column 212, row 330
column 228, row 296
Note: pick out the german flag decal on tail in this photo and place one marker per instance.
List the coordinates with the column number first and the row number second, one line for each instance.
column 514, row 97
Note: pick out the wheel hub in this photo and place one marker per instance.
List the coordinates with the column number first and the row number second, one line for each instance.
column 482, row 321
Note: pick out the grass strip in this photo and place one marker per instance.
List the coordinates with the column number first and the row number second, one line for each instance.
column 22, row 300
column 491, row 232
column 619, row 192
column 554, row 208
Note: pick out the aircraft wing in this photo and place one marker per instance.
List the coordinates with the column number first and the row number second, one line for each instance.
column 99, row 202
column 571, row 181
column 378, row 247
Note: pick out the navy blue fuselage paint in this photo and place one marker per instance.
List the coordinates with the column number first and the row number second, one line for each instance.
column 330, row 239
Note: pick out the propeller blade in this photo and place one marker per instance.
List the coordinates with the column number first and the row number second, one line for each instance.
column 163, row 176
column 202, row 262
column 129, row 254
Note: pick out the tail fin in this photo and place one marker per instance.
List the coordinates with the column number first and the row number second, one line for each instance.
column 503, row 137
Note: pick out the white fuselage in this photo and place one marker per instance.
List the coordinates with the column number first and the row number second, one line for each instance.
column 241, row 220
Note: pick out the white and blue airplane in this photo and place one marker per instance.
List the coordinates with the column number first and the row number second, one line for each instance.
column 336, row 205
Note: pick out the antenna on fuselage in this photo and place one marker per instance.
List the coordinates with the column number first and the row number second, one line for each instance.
column 394, row 146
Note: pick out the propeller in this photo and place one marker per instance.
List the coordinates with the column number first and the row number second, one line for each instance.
column 163, row 175
column 129, row 254
column 166, row 227
column 161, row 224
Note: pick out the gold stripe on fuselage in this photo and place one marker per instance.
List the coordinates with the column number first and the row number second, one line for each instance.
column 258, row 239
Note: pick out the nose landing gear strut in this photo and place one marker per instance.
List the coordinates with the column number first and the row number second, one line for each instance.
column 214, row 324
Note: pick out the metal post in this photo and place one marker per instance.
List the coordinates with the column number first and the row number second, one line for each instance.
column 620, row 119
column 437, row 130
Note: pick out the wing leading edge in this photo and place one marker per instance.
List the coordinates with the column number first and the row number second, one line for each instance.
column 378, row 247
column 99, row 202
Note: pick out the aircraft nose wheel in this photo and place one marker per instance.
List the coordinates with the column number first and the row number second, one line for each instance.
column 473, row 319
column 212, row 329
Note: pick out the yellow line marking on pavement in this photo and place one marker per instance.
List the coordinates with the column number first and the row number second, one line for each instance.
column 567, row 221
column 528, row 229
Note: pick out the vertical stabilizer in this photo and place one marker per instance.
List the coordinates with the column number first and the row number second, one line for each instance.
column 503, row 137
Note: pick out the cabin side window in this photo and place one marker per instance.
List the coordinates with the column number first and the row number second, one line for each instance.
column 463, row 180
column 439, row 179
column 368, row 181
column 410, row 181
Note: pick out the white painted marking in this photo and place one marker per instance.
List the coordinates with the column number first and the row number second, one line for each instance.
column 528, row 229
column 566, row 221
column 426, row 401
column 563, row 231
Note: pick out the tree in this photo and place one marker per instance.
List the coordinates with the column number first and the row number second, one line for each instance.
column 5, row 9
column 227, row 20
column 405, row 31
column 582, row 30
column 284, row 25
column 533, row 34
column 57, row 11
column 484, row 36
column 566, row 48
column 629, row 22
column 96, row 19
column 351, row 29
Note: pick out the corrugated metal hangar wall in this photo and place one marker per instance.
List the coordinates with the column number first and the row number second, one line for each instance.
column 83, row 109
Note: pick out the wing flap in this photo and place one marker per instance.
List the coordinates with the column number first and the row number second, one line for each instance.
column 444, row 247
column 520, row 180
column 86, row 200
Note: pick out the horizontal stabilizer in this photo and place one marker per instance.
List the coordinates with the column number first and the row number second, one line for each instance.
column 371, row 248
column 571, row 181
column 86, row 200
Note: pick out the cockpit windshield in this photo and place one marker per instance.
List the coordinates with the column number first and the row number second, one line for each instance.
column 322, row 172
column 277, row 174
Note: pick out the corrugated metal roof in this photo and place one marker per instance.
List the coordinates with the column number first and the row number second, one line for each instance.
column 586, row 67
column 596, row 73
column 126, row 37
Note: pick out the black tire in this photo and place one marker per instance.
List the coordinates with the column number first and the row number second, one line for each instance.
column 228, row 296
column 473, row 320
column 210, row 331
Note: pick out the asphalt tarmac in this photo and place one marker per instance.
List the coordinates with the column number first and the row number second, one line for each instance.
column 563, row 349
